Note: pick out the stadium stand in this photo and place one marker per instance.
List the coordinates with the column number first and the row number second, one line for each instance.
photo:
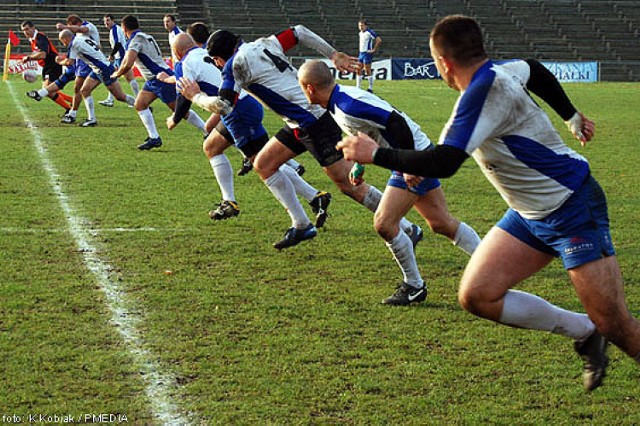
column 557, row 30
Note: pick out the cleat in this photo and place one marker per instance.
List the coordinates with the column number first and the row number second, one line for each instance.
column 406, row 295
column 34, row 95
column 225, row 210
column 593, row 351
column 89, row 123
column 106, row 103
column 247, row 166
column 416, row 235
column 150, row 143
column 295, row 236
column 66, row 112
column 319, row 205
column 67, row 119
column 370, row 90
column 300, row 170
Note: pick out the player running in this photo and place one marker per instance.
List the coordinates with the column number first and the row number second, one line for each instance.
column 262, row 69
column 46, row 54
column 355, row 110
column 143, row 51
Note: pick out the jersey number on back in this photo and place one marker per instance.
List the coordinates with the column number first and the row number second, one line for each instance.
column 279, row 62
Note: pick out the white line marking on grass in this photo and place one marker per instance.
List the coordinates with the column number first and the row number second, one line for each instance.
column 94, row 231
column 158, row 383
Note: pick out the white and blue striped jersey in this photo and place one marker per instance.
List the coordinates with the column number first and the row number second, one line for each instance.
column 513, row 141
column 367, row 39
column 194, row 67
column 356, row 110
column 86, row 49
column 93, row 32
column 262, row 69
column 116, row 35
column 149, row 61
column 172, row 35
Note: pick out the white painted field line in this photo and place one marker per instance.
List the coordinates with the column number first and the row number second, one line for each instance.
column 158, row 384
column 93, row 231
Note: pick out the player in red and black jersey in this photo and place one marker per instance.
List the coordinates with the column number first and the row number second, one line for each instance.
column 46, row 54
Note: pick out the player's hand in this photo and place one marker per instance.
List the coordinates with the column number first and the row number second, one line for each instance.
column 412, row 180
column 356, row 175
column 358, row 148
column 188, row 88
column 60, row 26
column 162, row 76
column 115, row 75
column 581, row 127
column 170, row 123
column 345, row 63
column 110, row 58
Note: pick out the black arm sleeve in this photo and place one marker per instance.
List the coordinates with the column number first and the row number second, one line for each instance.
column 441, row 162
column 228, row 95
column 543, row 83
column 399, row 131
column 115, row 49
column 182, row 108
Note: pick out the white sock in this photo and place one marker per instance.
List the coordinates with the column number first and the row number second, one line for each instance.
column 301, row 186
column 524, row 310
column 88, row 104
column 358, row 81
column 134, row 86
column 370, row 78
column 283, row 190
column 402, row 249
column 130, row 100
column 73, row 113
column 43, row 92
column 149, row 123
column 223, row 172
column 372, row 198
column 195, row 120
column 466, row 238
column 293, row 164
column 110, row 97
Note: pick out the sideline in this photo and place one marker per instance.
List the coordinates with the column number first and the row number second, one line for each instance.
column 159, row 384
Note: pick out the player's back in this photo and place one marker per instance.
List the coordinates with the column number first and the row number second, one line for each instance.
column 261, row 67
column 149, row 61
column 93, row 32
column 194, row 67
column 86, row 49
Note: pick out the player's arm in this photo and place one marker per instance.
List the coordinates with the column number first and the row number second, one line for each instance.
column 544, row 84
column 441, row 162
column 34, row 56
column 82, row 29
column 115, row 49
column 221, row 104
column 376, row 44
column 127, row 63
column 301, row 34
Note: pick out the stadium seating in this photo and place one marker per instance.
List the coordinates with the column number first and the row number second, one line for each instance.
column 560, row 30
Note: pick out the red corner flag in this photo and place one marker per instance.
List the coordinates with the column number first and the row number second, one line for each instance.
column 13, row 38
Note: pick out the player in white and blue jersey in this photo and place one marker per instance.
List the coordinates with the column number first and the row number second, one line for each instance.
column 143, row 51
column 83, row 48
column 78, row 26
column 242, row 127
column 117, row 41
column 262, row 69
column 369, row 42
column 170, row 24
column 355, row 110
column 556, row 208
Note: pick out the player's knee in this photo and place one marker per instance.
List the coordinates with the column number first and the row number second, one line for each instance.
column 470, row 299
column 385, row 227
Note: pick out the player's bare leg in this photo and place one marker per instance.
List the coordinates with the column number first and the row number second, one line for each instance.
column 499, row 263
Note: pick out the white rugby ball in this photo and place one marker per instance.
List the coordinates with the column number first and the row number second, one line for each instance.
column 30, row 76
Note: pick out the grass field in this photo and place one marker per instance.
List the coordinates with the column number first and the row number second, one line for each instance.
column 91, row 322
